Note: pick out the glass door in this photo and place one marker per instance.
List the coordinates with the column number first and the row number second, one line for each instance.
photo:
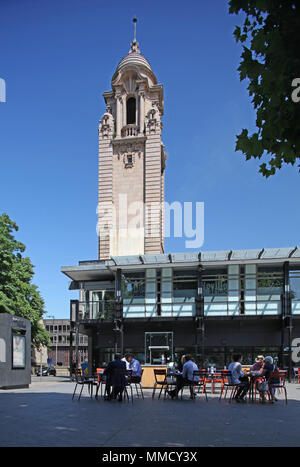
column 159, row 348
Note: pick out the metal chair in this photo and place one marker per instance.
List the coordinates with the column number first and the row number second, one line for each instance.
column 227, row 375
column 160, row 381
column 128, row 374
column 198, row 381
column 123, row 376
column 137, row 384
column 296, row 374
column 83, row 381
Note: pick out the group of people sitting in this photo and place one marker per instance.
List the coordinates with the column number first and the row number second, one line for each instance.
column 260, row 372
column 116, row 378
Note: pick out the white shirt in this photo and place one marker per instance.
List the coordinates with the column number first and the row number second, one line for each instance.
column 127, row 363
column 236, row 372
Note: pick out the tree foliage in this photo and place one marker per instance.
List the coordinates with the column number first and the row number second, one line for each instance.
column 270, row 60
column 18, row 296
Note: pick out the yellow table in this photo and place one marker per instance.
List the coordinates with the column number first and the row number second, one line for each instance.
column 148, row 374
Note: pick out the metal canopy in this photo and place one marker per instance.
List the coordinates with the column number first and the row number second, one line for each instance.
column 215, row 255
column 245, row 254
column 296, row 253
column 88, row 272
column 155, row 259
column 184, row 257
column 104, row 270
column 276, row 253
column 126, row 260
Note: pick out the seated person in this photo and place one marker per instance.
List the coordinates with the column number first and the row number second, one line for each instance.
column 181, row 363
column 268, row 368
column 115, row 378
column 238, row 377
column 257, row 367
column 187, row 377
column 256, row 370
column 135, row 367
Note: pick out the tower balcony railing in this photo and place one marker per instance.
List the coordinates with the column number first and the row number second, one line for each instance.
column 94, row 310
column 129, row 130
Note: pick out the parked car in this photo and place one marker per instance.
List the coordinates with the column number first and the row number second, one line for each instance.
column 46, row 371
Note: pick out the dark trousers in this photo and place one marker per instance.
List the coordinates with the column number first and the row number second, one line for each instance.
column 112, row 391
column 117, row 391
column 243, row 387
column 180, row 382
column 135, row 379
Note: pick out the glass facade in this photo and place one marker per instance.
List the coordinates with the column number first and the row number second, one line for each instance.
column 232, row 290
column 295, row 290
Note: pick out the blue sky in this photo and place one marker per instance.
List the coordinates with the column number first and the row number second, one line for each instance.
column 57, row 58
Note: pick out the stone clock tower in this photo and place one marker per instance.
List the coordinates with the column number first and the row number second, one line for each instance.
column 131, row 162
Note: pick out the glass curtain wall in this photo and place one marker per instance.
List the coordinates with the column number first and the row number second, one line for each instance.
column 269, row 290
column 215, row 291
column 294, row 277
column 133, row 293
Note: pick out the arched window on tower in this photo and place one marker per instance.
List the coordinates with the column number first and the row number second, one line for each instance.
column 131, row 110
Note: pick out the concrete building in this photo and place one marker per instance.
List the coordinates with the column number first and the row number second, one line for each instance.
column 160, row 306
column 59, row 330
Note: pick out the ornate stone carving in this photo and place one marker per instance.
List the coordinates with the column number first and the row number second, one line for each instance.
column 106, row 126
column 108, row 108
column 153, row 122
column 128, row 160
column 128, row 153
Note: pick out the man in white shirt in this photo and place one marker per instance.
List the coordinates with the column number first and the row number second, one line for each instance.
column 238, row 377
column 135, row 367
column 186, row 377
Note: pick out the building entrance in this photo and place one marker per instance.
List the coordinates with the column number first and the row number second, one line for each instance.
column 159, row 348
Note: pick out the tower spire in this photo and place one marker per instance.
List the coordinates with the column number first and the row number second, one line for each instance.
column 134, row 43
column 134, row 22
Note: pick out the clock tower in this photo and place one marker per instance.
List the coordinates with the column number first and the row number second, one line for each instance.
column 131, row 161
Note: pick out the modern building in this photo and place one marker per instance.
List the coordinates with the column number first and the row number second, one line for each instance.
column 59, row 330
column 159, row 306
column 206, row 303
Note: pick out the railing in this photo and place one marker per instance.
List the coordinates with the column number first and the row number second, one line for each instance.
column 129, row 130
column 184, row 307
column 103, row 309
column 179, row 307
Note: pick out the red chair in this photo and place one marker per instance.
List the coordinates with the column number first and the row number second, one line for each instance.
column 281, row 375
column 217, row 379
column 101, row 380
column 202, row 375
column 208, row 379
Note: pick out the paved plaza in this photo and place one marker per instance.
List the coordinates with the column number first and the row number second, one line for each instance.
column 45, row 415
